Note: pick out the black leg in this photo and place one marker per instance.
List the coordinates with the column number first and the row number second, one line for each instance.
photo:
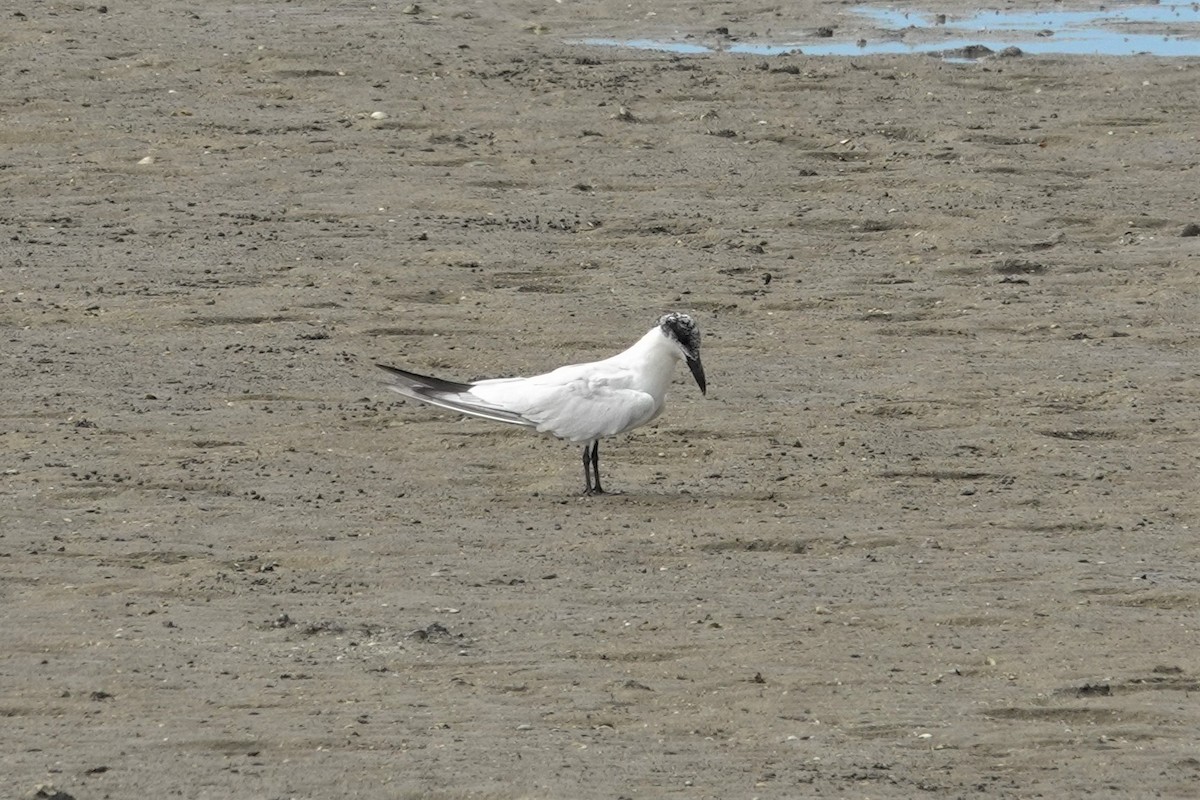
column 596, row 465
column 591, row 469
column 587, row 471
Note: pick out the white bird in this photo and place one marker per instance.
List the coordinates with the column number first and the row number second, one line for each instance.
column 578, row 402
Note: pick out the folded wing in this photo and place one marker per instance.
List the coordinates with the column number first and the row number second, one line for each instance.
column 449, row 395
column 569, row 404
column 577, row 408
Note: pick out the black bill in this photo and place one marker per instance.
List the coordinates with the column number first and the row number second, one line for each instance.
column 697, row 369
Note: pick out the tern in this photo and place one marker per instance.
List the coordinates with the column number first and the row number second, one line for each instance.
column 578, row 402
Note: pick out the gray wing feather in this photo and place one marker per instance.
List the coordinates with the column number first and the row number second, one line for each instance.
column 449, row 395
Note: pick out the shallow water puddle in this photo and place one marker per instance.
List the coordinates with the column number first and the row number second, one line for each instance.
column 1166, row 28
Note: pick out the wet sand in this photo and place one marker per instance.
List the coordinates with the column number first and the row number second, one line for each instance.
column 932, row 533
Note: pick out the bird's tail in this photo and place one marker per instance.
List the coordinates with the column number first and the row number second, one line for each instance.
column 449, row 395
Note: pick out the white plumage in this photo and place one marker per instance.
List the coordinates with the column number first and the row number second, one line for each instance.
column 579, row 402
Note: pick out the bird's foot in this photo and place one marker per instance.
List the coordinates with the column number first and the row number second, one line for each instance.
column 598, row 492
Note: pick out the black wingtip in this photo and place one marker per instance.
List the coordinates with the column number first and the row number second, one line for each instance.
column 425, row 381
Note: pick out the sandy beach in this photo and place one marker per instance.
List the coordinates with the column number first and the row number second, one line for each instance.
column 932, row 533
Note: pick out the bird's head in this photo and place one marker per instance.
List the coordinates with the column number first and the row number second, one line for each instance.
column 681, row 330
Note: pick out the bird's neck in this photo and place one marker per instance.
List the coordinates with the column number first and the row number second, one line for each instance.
column 656, row 357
